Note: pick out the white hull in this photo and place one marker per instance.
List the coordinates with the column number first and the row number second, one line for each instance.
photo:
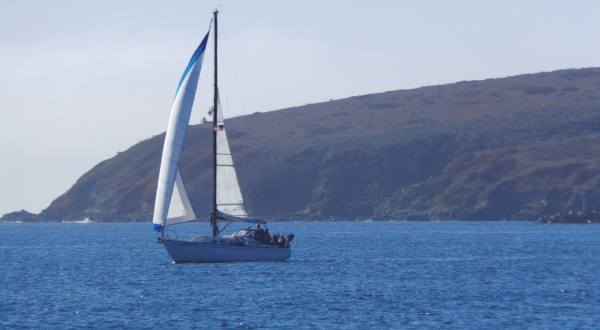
column 209, row 251
column 172, row 204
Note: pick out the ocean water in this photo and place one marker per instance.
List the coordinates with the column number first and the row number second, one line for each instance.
column 351, row 275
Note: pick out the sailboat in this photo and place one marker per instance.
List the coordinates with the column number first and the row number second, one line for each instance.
column 173, row 205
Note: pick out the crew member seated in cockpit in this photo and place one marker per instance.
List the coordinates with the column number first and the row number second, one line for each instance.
column 262, row 235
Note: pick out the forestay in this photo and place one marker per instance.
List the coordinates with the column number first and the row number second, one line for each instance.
column 172, row 204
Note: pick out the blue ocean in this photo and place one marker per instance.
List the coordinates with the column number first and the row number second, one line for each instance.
column 351, row 275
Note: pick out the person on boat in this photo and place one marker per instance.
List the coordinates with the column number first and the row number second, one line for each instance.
column 267, row 236
column 261, row 235
column 280, row 240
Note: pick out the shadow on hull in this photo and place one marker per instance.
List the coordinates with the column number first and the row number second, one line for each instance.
column 211, row 252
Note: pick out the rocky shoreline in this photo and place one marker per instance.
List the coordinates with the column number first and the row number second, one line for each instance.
column 571, row 217
column 19, row 216
column 516, row 148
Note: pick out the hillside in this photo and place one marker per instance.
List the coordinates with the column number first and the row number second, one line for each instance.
column 509, row 148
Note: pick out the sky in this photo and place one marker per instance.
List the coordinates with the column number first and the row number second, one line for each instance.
column 83, row 80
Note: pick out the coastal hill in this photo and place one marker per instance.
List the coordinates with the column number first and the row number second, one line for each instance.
column 519, row 147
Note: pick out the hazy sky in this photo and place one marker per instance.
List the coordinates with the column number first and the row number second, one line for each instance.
column 81, row 80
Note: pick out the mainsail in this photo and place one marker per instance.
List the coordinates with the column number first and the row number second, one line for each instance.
column 229, row 195
column 172, row 204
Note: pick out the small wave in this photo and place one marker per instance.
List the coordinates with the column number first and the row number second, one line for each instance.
column 84, row 221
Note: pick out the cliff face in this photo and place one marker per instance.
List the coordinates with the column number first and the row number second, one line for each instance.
column 510, row 148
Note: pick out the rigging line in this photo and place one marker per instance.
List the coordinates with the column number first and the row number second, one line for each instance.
column 225, row 103
column 235, row 75
column 220, row 105
column 227, row 225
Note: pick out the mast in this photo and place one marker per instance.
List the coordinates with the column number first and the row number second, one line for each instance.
column 213, row 217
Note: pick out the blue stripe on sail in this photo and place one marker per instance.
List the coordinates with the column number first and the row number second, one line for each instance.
column 157, row 227
column 199, row 51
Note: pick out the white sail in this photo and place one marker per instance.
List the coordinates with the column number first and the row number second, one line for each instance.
column 180, row 208
column 167, row 190
column 229, row 195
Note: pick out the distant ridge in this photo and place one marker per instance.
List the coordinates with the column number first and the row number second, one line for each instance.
column 509, row 148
